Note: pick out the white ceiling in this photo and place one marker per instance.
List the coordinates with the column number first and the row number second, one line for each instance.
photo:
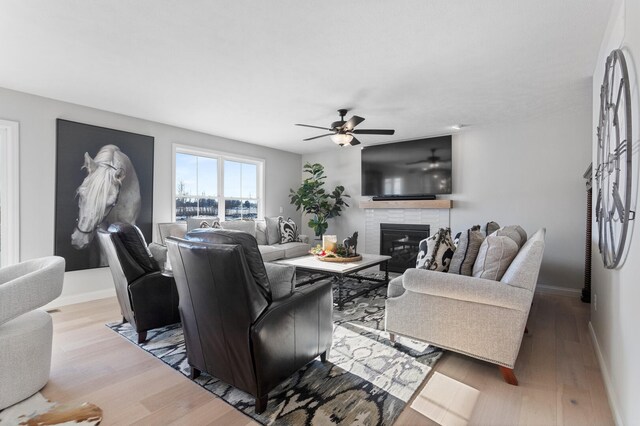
column 249, row 70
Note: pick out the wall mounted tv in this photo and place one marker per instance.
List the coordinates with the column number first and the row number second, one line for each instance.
column 413, row 168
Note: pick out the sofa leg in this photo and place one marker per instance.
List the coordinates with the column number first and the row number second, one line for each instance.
column 142, row 337
column 508, row 375
column 261, row 403
column 323, row 356
column 526, row 330
column 392, row 337
column 194, row 373
column 124, row 320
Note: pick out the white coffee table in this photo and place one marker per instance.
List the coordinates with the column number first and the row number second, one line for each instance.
column 341, row 271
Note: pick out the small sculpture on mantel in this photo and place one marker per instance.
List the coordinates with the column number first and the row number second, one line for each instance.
column 351, row 245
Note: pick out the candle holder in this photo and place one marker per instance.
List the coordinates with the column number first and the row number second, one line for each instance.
column 330, row 243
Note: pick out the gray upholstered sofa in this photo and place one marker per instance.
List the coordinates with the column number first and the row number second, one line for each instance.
column 269, row 252
column 481, row 318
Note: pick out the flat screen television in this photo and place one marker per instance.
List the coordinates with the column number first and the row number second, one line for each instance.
column 413, row 168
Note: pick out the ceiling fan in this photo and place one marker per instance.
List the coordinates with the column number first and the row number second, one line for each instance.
column 342, row 132
column 433, row 161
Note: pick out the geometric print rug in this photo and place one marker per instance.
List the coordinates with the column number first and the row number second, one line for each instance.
column 367, row 379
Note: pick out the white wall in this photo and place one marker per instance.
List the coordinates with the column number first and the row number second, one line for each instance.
column 615, row 322
column 37, row 117
column 527, row 173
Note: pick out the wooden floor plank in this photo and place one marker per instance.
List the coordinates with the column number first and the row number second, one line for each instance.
column 560, row 382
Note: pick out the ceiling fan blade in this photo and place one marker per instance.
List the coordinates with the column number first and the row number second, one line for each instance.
column 374, row 132
column 313, row 127
column 354, row 142
column 353, row 122
column 316, row 137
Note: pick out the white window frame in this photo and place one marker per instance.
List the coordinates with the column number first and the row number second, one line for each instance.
column 10, row 192
column 221, row 157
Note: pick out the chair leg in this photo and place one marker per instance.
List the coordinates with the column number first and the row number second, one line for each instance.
column 526, row 330
column 508, row 375
column 261, row 403
column 142, row 337
column 124, row 320
column 194, row 373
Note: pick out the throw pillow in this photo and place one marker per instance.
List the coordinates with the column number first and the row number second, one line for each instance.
column 456, row 239
column 423, row 249
column 261, row 232
column 491, row 227
column 506, row 231
column 467, row 251
column 288, row 231
column 521, row 231
column 436, row 251
column 202, row 222
column 495, row 255
column 273, row 229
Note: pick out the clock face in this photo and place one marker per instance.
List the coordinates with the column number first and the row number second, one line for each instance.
column 614, row 168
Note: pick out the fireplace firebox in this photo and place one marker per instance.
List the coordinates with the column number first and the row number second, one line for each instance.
column 400, row 241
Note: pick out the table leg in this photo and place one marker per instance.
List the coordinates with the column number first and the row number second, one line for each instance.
column 340, row 280
column 386, row 271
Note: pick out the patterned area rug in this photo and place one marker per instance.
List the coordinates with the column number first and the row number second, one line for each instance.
column 367, row 380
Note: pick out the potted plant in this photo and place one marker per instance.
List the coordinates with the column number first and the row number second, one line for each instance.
column 312, row 198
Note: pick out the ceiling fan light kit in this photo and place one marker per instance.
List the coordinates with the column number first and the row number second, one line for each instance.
column 342, row 139
column 342, row 132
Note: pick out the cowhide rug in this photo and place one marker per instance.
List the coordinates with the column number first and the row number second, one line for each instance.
column 38, row 411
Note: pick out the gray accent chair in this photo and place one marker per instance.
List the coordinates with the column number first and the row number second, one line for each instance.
column 26, row 333
column 477, row 317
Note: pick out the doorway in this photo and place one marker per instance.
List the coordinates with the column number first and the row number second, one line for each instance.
column 9, row 193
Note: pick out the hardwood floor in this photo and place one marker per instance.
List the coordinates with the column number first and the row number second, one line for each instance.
column 560, row 382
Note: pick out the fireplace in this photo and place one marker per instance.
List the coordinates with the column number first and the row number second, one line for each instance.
column 400, row 241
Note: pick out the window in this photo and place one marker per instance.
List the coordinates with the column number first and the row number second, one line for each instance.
column 215, row 184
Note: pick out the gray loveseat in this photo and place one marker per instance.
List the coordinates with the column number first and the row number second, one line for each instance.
column 481, row 318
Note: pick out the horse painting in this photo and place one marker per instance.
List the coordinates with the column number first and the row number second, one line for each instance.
column 109, row 193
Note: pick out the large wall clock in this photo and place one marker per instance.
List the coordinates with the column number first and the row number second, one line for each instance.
column 615, row 154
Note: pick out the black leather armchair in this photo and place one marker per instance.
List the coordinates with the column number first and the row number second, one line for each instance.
column 147, row 298
column 239, row 325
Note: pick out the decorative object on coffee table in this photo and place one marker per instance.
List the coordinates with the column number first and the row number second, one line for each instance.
column 351, row 245
column 313, row 199
column 614, row 170
column 338, row 255
column 329, row 242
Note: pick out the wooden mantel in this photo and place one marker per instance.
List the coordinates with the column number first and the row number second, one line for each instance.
column 407, row 204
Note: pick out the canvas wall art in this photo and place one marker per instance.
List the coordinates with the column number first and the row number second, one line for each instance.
column 102, row 176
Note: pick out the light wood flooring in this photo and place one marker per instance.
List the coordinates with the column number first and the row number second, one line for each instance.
column 560, row 382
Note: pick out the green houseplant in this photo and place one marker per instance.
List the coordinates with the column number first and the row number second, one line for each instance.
column 312, row 198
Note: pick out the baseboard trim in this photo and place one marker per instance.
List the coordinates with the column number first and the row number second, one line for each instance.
column 80, row 298
column 611, row 395
column 561, row 291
